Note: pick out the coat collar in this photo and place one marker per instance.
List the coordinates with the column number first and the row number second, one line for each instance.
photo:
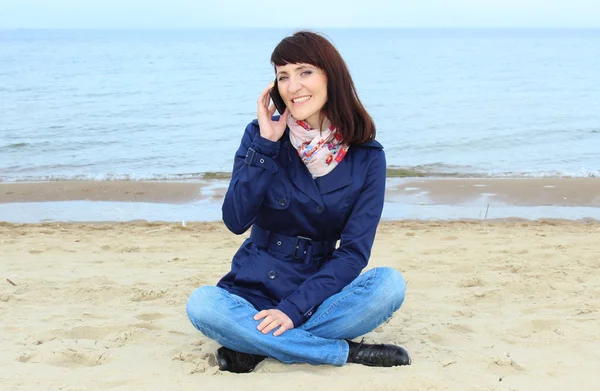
column 371, row 144
column 338, row 177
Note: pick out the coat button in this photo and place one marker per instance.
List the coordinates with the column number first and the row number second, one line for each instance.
column 272, row 275
column 320, row 209
column 282, row 201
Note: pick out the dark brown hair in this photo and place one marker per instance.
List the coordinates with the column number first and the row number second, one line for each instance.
column 343, row 107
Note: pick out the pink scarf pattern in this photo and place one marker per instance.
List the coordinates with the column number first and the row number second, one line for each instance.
column 319, row 155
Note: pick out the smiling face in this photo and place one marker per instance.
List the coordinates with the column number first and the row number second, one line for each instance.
column 303, row 88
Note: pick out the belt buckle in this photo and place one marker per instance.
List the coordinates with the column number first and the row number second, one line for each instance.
column 296, row 247
column 249, row 156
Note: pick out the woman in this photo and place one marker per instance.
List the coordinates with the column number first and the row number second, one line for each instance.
column 303, row 181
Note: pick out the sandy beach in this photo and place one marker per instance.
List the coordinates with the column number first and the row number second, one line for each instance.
column 494, row 305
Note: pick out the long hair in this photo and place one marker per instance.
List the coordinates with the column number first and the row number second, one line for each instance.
column 343, row 107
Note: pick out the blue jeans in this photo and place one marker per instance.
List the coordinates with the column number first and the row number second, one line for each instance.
column 359, row 308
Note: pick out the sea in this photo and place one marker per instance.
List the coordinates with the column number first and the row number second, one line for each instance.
column 173, row 105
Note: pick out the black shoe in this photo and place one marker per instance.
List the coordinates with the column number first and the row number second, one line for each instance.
column 237, row 362
column 377, row 355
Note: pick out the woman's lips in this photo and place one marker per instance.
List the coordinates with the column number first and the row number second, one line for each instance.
column 302, row 101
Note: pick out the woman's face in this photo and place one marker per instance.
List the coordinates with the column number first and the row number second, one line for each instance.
column 303, row 88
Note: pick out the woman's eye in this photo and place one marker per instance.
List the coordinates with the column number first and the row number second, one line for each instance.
column 306, row 73
column 282, row 77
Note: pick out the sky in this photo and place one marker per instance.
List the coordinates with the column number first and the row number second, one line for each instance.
column 198, row 14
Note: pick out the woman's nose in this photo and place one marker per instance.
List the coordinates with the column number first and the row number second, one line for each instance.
column 293, row 85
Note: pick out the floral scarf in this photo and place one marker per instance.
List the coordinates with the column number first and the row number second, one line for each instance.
column 319, row 156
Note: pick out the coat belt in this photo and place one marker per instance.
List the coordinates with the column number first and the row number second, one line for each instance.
column 300, row 248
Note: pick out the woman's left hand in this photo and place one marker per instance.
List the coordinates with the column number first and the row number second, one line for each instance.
column 272, row 319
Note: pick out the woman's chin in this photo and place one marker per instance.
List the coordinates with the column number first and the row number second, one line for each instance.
column 298, row 115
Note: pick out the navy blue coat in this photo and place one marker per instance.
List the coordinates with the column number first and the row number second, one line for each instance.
column 272, row 188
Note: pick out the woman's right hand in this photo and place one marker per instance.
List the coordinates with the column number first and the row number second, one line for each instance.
column 269, row 129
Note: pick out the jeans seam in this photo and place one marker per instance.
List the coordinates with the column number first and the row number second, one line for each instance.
column 241, row 301
column 333, row 305
column 203, row 329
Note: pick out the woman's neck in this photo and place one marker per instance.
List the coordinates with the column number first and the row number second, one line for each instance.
column 315, row 122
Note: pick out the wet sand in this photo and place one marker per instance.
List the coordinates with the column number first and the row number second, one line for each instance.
column 517, row 192
column 510, row 191
column 117, row 191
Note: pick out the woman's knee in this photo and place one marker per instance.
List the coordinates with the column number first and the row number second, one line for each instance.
column 201, row 305
column 392, row 285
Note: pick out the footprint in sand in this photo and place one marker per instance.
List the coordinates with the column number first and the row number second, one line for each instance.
column 70, row 357
column 67, row 353
column 146, row 295
column 150, row 317
column 109, row 336
column 130, row 334
column 76, row 333
column 87, row 332
column 470, row 282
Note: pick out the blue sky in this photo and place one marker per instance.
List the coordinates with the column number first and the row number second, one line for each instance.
column 298, row 13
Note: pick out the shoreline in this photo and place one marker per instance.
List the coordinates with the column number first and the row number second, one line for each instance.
column 392, row 171
column 451, row 191
column 406, row 199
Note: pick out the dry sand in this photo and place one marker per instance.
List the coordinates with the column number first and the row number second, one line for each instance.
column 496, row 305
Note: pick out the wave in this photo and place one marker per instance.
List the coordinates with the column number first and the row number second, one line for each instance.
column 14, row 146
column 113, row 177
column 446, row 171
column 427, row 171
column 56, row 146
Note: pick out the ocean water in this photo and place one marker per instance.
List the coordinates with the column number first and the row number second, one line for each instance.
column 88, row 104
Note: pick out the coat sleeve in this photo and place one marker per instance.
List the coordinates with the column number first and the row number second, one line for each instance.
column 351, row 257
column 253, row 169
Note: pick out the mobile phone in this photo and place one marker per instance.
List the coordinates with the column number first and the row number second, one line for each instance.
column 276, row 98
